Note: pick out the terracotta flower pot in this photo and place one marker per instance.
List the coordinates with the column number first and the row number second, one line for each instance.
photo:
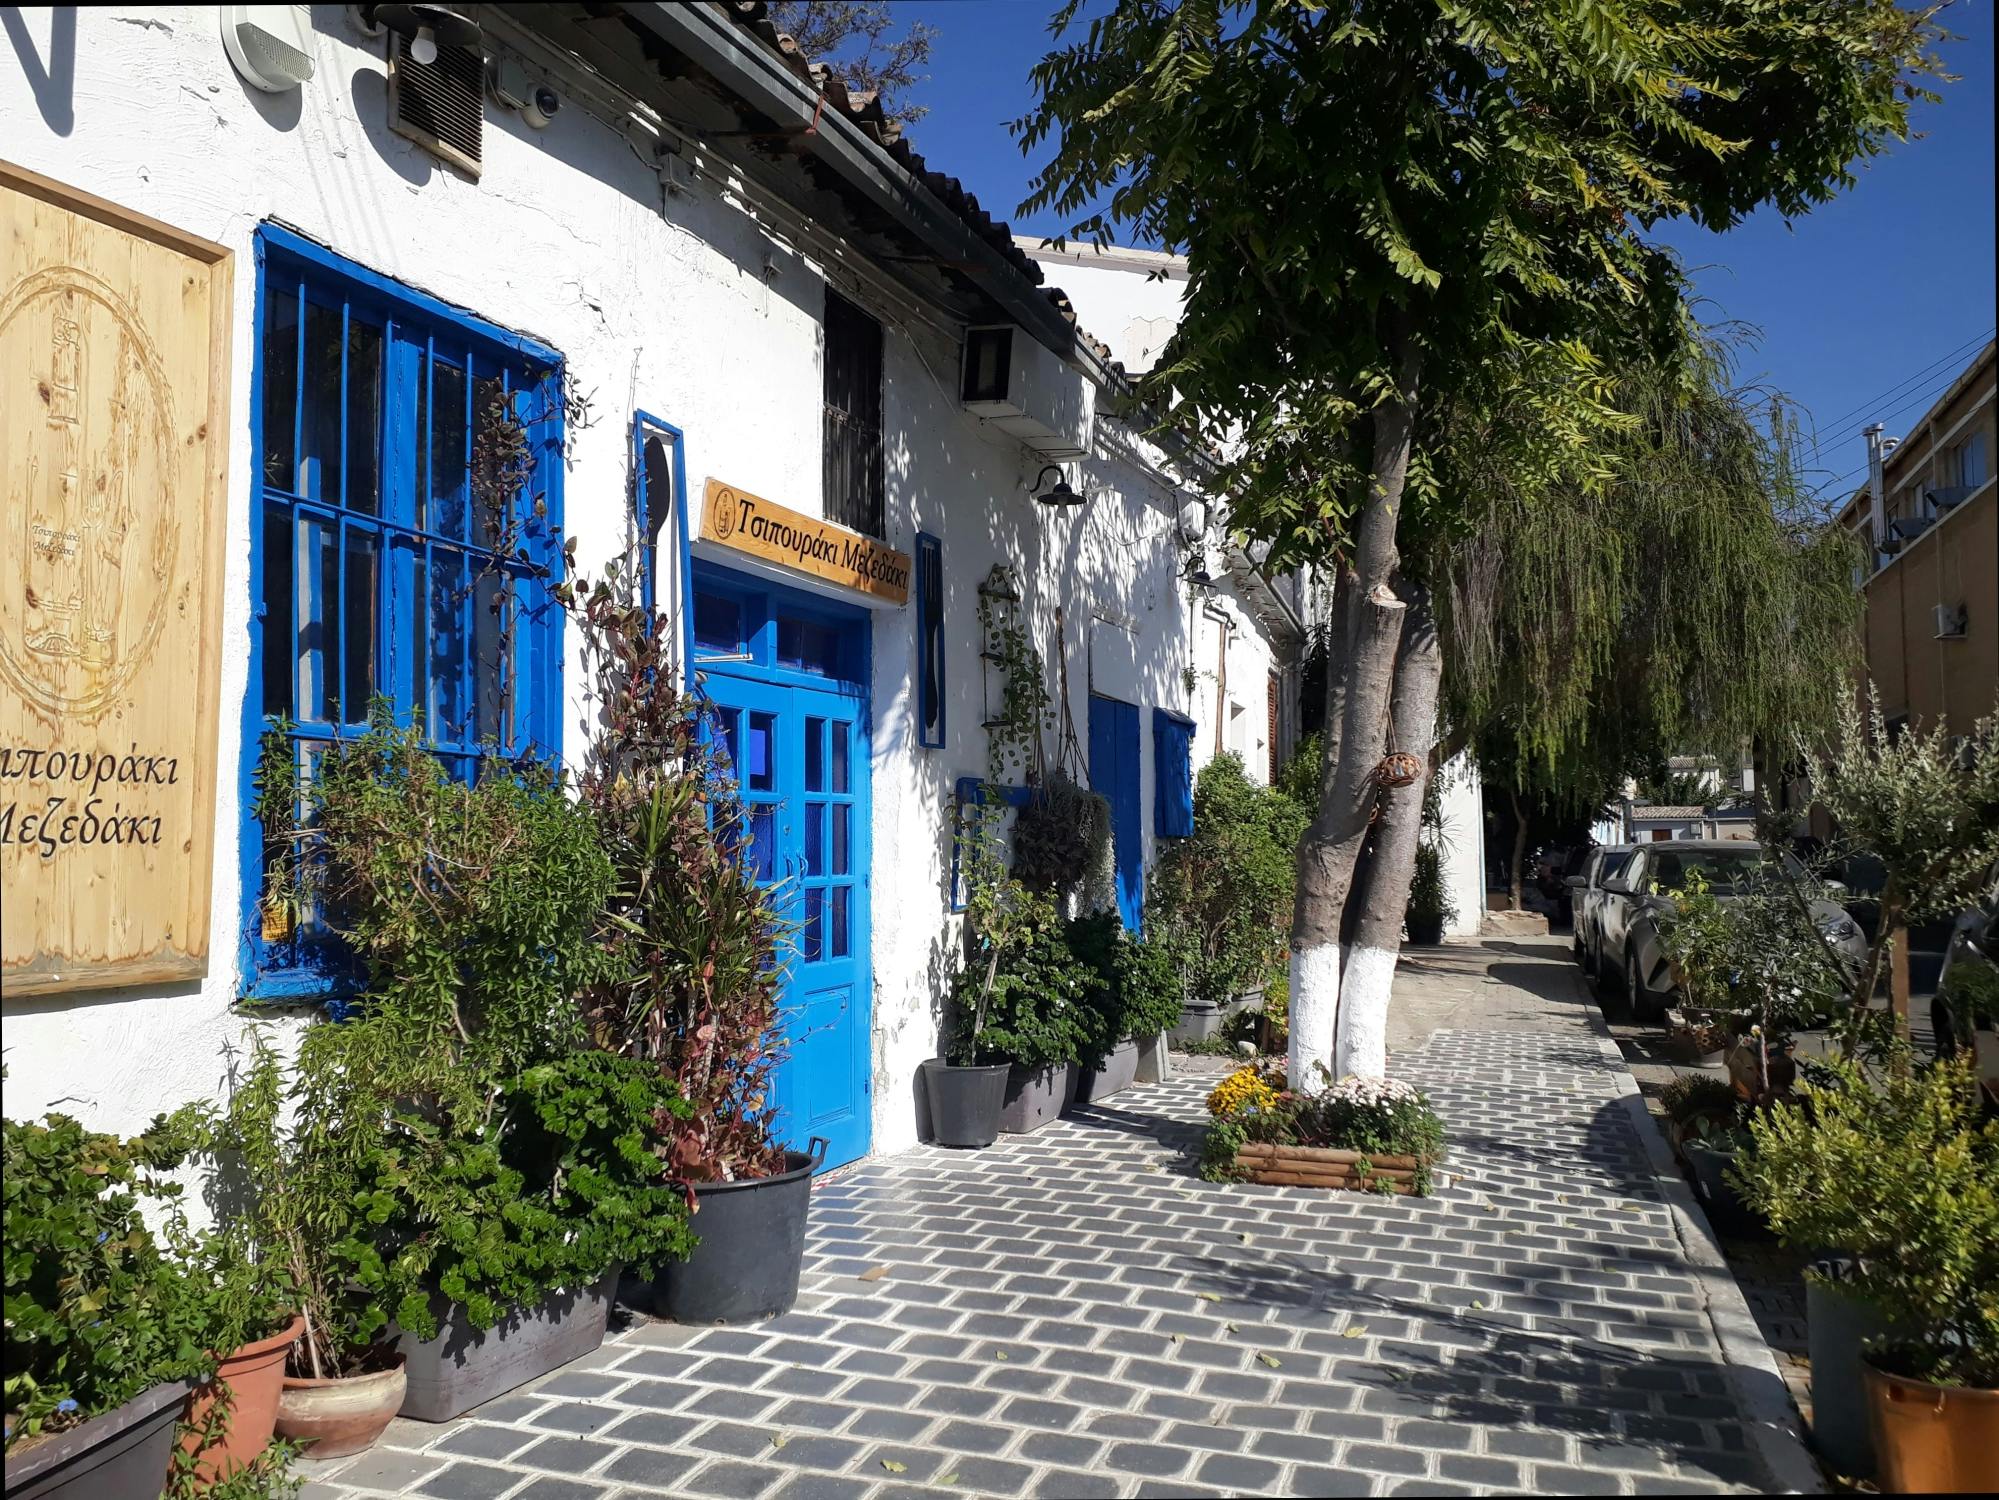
column 1932, row 1438
column 335, row 1417
column 254, row 1374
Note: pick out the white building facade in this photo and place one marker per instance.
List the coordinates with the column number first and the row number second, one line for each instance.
column 688, row 270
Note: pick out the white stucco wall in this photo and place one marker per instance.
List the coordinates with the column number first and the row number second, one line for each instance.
column 682, row 306
column 1131, row 299
column 1462, row 802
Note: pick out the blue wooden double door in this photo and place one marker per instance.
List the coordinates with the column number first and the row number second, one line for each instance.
column 795, row 728
column 1115, row 774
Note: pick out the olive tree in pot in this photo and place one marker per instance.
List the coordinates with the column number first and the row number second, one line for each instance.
column 1430, row 908
column 1131, row 997
column 1901, row 1171
column 1222, row 897
column 697, row 946
column 463, row 1173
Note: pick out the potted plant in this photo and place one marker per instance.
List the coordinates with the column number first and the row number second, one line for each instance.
column 1131, row 997
column 1361, row 1134
column 696, row 951
column 1690, row 1099
column 1028, row 1008
column 467, row 1172
column 1899, row 1168
column 1222, row 896
column 1430, row 907
column 103, row 1336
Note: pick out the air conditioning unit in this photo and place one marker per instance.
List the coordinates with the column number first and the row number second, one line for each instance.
column 1016, row 384
column 1952, row 620
column 1948, row 498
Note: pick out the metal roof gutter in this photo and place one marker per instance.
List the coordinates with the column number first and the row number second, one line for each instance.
column 706, row 35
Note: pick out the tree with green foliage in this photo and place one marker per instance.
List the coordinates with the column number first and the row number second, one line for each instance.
column 1400, row 217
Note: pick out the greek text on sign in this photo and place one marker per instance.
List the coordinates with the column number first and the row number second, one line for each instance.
column 750, row 524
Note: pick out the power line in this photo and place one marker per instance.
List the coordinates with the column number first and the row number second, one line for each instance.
column 1920, row 375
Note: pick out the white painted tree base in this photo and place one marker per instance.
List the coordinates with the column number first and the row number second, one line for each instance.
column 1315, row 1002
column 1363, row 1040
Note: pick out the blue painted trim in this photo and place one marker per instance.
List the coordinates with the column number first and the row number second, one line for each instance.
column 926, row 544
column 972, row 790
column 537, row 704
column 1172, row 774
column 683, row 543
column 386, row 292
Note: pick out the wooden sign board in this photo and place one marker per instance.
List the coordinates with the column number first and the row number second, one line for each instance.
column 752, row 525
column 114, row 441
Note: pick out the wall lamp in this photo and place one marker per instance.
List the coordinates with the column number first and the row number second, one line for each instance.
column 1060, row 496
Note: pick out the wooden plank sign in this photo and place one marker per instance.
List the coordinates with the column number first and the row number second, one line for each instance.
column 114, row 364
column 752, row 525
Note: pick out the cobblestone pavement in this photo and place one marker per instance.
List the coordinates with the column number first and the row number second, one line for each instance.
column 1074, row 1313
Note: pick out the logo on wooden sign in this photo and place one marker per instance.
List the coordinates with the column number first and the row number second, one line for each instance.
column 114, row 347
column 752, row 525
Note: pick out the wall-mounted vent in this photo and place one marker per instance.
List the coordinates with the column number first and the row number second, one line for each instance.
column 1952, row 621
column 439, row 105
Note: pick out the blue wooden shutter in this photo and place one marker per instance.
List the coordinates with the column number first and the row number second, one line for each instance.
column 1173, row 774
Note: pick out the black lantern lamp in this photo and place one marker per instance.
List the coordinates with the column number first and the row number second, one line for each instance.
column 428, row 27
column 1060, row 496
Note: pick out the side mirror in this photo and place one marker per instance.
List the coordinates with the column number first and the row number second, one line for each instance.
column 1575, row 883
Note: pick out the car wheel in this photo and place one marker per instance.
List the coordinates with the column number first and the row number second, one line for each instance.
column 1642, row 1008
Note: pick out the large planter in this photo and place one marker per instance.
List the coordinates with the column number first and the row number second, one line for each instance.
column 1327, row 1167
column 1932, row 1438
column 751, row 1247
column 1710, row 1168
column 254, row 1374
column 1425, row 931
column 335, row 1417
column 964, row 1102
column 1745, row 1073
column 463, row 1367
column 121, row 1454
column 1034, row 1096
column 1838, row 1322
column 1691, row 1035
column 1199, row 1020
column 1113, row 1075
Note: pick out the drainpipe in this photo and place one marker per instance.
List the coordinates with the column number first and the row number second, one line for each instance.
column 1876, row 488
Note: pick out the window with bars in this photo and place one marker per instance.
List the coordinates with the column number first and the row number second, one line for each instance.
column 404, row 537
column 853, row 443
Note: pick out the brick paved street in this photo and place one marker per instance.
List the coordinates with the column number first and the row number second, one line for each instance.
column 1074, row 1313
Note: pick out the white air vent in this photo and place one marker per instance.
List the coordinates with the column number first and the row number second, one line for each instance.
column 440, row 105
column 1026, row 392
column 1952, row 621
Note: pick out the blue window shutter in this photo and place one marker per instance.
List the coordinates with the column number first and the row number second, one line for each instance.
column 929, row 641
column 1173, row 774
column 379, row 567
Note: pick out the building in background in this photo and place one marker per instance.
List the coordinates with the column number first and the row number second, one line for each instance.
column 745, row 334
column 1929, row 519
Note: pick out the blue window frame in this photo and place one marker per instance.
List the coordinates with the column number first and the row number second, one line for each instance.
column 404, row 533
column 1172, row 774
column 929, row 641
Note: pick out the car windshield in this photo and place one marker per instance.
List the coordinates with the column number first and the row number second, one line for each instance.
column 1725, row 871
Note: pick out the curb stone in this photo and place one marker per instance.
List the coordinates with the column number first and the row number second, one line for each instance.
column 1769, row 1415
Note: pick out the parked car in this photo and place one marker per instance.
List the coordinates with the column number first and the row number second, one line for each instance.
column 1965, row 1012
column 1628, row 947
column 1586, row 897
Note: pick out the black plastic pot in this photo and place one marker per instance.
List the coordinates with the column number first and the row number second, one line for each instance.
column 1839, row 1323
column 122, row 1454
column 752, row 1247
column 1426, row 931
column 1723, row 1202
column 964, row 1102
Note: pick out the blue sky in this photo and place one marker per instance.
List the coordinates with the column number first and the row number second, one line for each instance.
column 1866, row 307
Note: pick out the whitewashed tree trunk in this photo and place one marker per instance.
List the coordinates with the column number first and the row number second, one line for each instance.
column 1359, row 681
column 1361, row 1045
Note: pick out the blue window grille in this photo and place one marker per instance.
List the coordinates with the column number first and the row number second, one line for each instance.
column 929, row 641
column 1173, row 774
column 405, row 530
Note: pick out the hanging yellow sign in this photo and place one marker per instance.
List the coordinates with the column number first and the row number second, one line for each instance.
column 750, row 524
